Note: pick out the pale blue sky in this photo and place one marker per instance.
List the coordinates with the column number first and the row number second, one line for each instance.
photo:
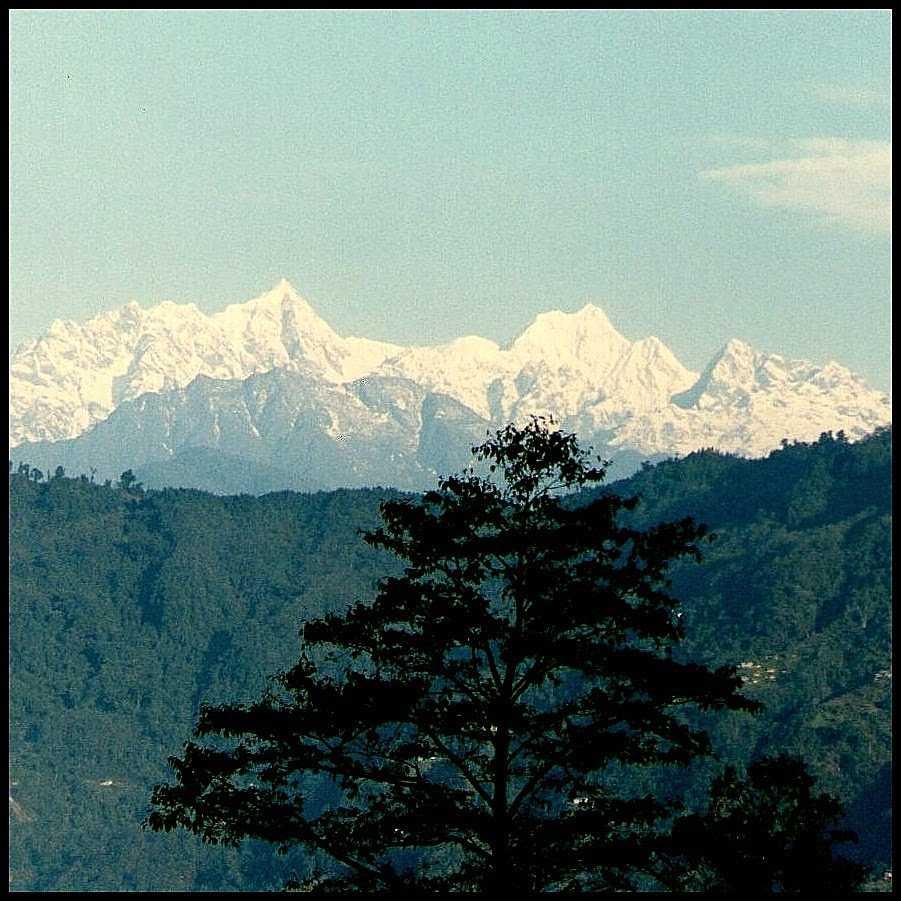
column 419, row 176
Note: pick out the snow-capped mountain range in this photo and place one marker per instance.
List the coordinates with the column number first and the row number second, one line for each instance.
column 269, row 384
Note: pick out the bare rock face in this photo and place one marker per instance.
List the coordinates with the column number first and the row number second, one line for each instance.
column 269, row 383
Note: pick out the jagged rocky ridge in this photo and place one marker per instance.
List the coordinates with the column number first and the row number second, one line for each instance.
column 268, row 393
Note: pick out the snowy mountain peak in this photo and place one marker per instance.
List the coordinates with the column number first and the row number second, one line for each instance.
column 282, row 293
column 592, row 311
column 285, row 286
column 77, row 374
column 741, row 378
column 590, row 319
column 584, row 338
column 281, row 288
column 103, row 376
column 270, row 304
column 737, row 361
column 735, row 347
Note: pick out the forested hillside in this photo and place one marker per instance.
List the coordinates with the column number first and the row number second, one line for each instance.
column 130, row 608
column 796, row 589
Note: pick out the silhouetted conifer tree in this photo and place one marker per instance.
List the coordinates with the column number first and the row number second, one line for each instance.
column 472, row 713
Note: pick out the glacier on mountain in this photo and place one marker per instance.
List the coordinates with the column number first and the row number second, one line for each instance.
column 269, row 380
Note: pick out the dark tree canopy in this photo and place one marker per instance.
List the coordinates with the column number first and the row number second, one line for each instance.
column 470, row 715
column 765, row 833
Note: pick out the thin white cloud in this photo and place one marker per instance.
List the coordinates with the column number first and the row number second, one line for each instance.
column 837, row 181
